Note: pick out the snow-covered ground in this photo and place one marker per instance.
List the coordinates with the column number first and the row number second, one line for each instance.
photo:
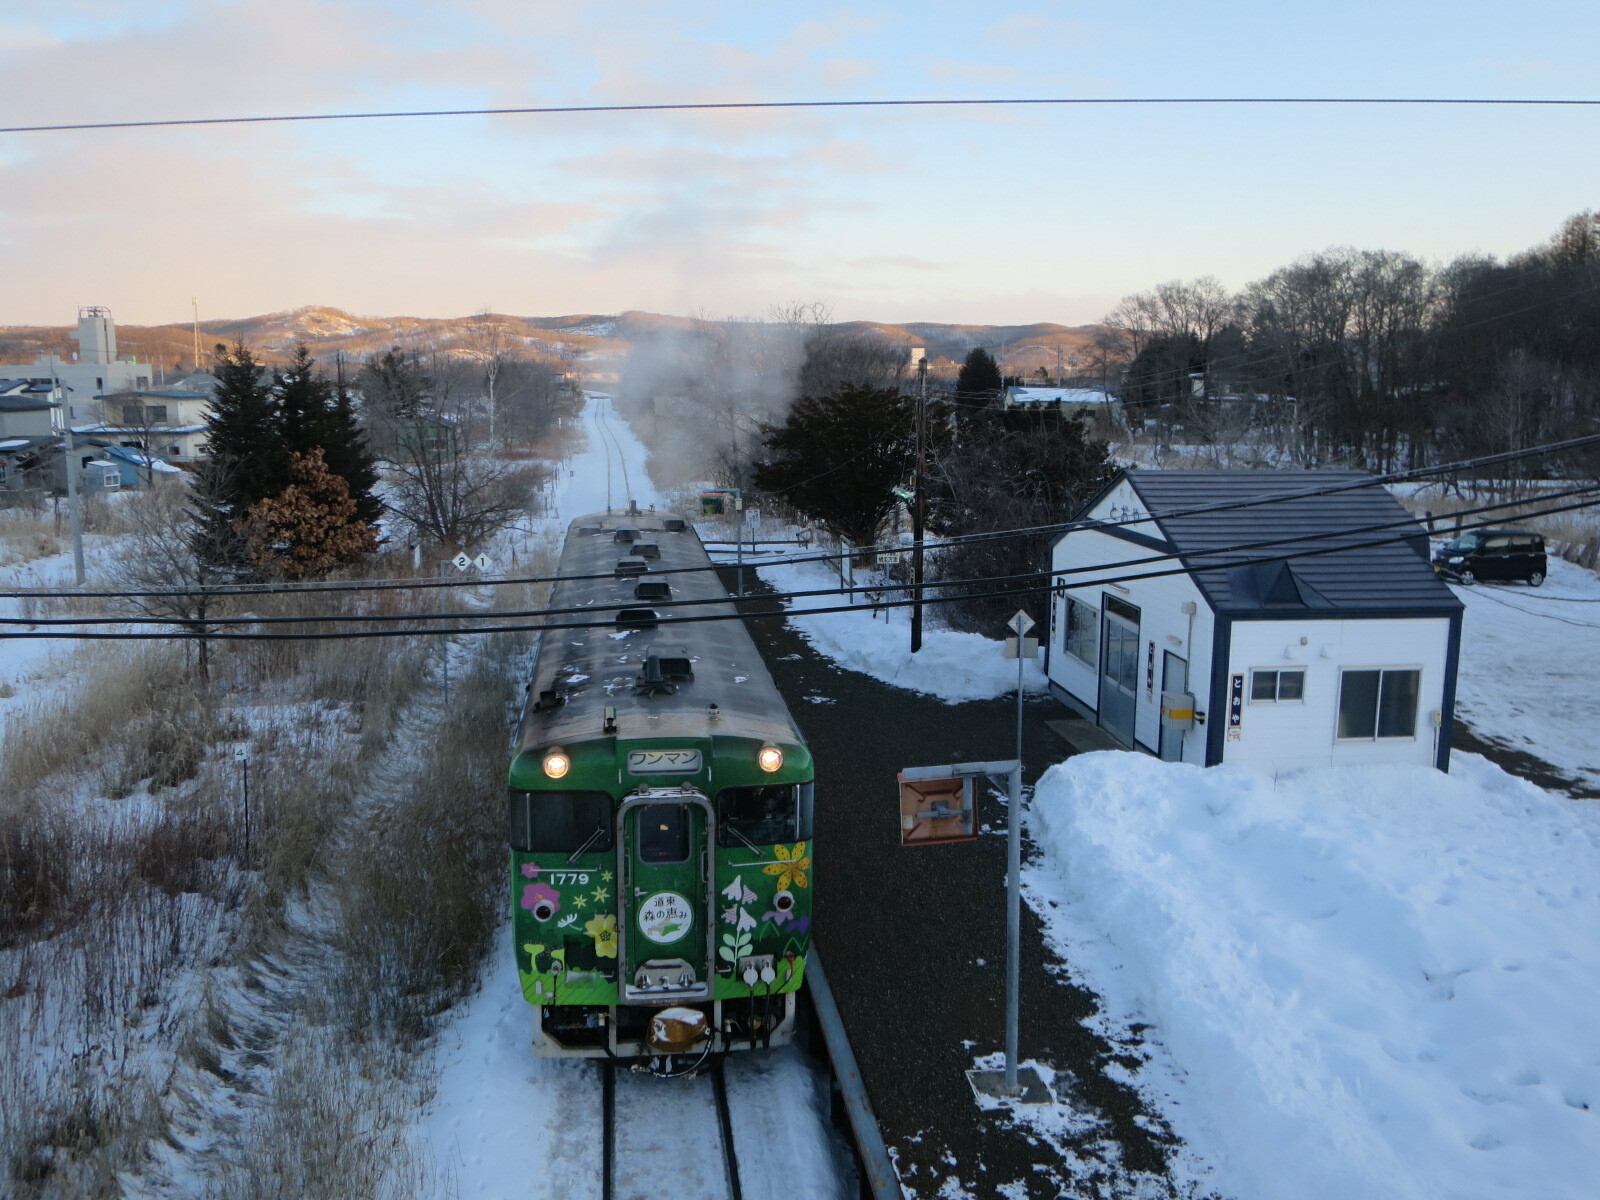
column 1528, row 659
column 1362, row 981
column 952, row 666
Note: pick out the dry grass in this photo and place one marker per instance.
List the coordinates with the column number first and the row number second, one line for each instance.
column 357, row 905
column 1573, row 535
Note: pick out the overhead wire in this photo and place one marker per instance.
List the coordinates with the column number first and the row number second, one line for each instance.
column 1407, row 523
column 195, row 629
column 778, row 105
column 230, row 590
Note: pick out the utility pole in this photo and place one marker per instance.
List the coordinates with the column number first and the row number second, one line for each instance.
column 919, row 510
column 69, row 464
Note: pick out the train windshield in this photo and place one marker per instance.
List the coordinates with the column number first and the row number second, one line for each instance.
column 558, row 822
column 764, row 816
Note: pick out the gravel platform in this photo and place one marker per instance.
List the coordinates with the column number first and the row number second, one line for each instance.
column 915, row 946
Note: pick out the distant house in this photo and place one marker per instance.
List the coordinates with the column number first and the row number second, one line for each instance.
column 1101, row 410
column 1342, row 652
column 25, row 409
column 169, row 423
column 36, row 464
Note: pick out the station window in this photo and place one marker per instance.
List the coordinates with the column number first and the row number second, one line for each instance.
column 1083, row 632
column 1277, row 687
column 1378, row 704
column 558, row 822
column 765, row 815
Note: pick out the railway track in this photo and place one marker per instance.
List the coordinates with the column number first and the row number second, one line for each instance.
column 657, row 1134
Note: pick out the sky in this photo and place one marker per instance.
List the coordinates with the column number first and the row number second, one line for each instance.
column 972, row 215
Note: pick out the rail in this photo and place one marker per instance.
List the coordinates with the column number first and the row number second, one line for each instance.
column 871, row 1156
column 609, row 1181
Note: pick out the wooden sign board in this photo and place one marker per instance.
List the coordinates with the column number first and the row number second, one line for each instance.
column 933, row 811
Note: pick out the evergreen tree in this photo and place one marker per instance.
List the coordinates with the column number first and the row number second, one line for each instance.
column 318, row 415
column 244, row 435
column 837, row 458
column 980, row 375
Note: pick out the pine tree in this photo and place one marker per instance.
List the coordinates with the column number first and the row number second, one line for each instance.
column 318, row 415
column 980, row 375
column 243, row 434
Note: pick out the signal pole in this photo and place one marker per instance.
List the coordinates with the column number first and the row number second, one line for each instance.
column 918, row 511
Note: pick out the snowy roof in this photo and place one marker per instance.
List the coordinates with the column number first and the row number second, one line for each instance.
column 1394, row 576
column 1049, row 395
column 132, row 454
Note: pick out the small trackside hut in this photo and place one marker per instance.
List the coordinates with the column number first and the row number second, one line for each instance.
column 1337, row 651
column 659, row 813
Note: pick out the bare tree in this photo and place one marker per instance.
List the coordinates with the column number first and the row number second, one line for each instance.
column 167, row 555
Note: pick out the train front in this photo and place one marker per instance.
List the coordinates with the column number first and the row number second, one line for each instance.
column 661, row 841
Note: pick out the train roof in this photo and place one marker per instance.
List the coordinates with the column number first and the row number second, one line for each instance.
column 579, row 672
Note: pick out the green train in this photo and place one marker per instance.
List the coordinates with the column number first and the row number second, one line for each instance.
column 659, row 814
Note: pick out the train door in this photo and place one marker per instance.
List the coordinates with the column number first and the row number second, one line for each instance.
column 664, row 873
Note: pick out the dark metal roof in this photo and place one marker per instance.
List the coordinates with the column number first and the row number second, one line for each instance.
column 1389, row 578
column 593, row 668
column 26, row 403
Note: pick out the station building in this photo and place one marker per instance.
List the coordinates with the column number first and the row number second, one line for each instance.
column 1273, row 619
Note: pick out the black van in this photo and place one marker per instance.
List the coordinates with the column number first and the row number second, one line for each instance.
column 1493, row 554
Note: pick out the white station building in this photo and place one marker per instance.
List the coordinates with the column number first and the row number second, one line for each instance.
column 1308, row 631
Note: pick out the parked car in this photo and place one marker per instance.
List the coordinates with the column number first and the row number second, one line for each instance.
column 1494, row 554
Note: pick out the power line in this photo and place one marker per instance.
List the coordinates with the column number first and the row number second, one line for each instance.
column 1407, row 523
column 781, row 105
column 1030, row 590
column 229, row 590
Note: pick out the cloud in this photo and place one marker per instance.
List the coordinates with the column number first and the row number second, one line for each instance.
column 1037, row 31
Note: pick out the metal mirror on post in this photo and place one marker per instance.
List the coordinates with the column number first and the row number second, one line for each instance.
column 933, row 811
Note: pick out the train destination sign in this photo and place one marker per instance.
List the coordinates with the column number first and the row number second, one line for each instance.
column 664, row 762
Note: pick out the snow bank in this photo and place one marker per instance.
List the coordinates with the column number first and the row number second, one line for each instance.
column 951, row 666
column 1371, row 981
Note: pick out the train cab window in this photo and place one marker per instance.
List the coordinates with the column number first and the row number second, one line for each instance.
column 558, row 822
column 664, row 833
column 766, row 815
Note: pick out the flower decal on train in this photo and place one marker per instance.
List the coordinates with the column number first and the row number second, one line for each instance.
column 791, row 867
column 542, row 900
column 782, row 908
column 603, row 929
column 739, row 892
column 530, row 870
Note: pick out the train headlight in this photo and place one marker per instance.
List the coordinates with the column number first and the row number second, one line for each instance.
column 769, row 759
column 556, row 763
